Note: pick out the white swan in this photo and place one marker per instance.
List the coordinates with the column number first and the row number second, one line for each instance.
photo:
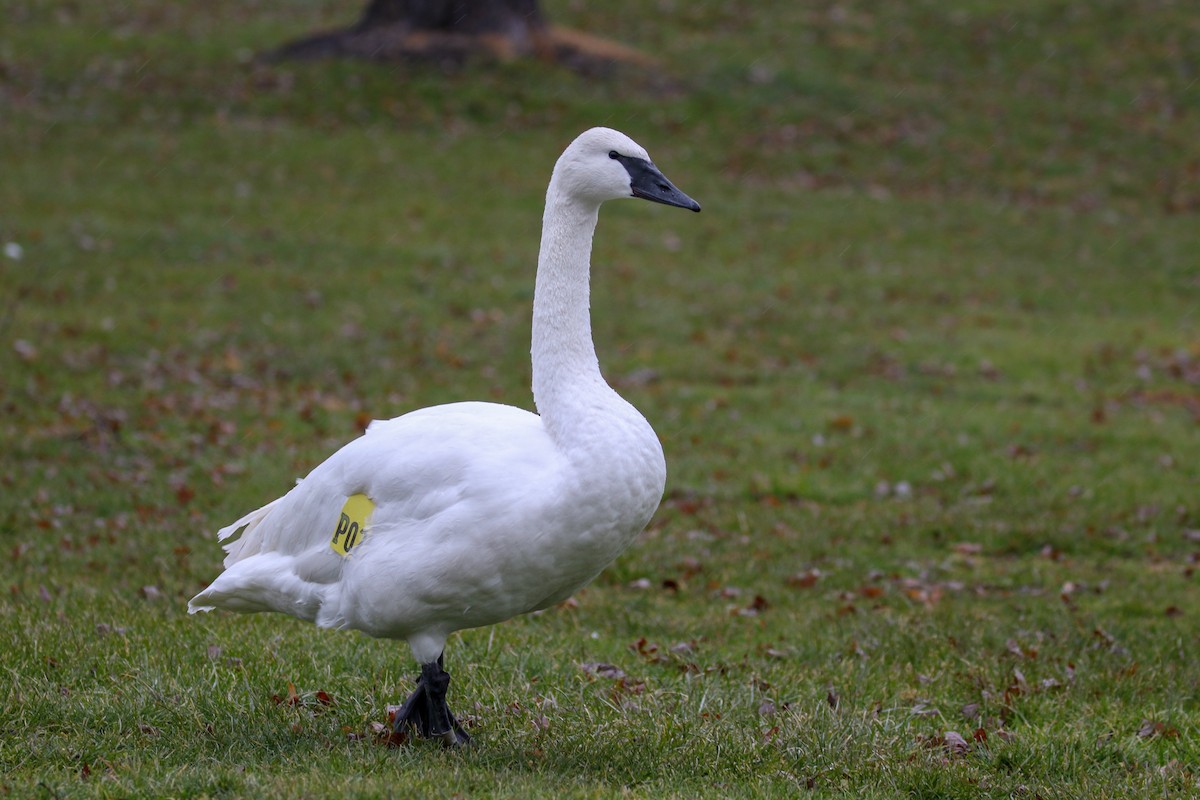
column 468, row 514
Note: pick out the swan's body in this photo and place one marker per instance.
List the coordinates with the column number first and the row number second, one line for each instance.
column 480, row 511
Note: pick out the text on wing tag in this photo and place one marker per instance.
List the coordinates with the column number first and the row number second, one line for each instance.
column 351, row 524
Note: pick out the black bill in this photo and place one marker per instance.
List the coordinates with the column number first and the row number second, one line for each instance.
column 648, row 183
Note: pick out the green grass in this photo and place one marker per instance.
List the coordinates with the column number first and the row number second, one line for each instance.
column 926, row 370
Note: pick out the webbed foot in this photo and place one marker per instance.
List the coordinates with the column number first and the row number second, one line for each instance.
column 425, row 711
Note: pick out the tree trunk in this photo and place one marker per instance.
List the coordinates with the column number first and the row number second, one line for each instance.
column 450, row 32
column 461, row 16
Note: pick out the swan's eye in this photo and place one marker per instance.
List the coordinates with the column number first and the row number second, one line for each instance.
column 613, row 154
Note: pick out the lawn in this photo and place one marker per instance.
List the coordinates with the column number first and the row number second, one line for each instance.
column 926, row 371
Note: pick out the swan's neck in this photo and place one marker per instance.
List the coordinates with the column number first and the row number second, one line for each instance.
column 566, row 375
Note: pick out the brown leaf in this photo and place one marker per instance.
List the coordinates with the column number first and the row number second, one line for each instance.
column 842, row 422
column 324, row 699
column 951, row 742
column 1151, row 728
column 602, row 670
column 832, row 698
column 804, row 580
column 647, row 650
column 956, row 745
column 759, row 603
column 184, row 494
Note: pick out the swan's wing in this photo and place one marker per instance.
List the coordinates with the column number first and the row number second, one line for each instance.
column 402, row 475
column 410, row 468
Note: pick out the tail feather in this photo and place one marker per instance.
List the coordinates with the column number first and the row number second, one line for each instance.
column 239, row 538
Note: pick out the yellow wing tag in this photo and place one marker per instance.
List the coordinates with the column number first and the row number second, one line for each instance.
column 352, row 523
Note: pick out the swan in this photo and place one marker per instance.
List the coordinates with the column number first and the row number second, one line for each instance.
column 468, row 514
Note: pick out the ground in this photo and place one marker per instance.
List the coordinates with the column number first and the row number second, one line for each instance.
column 926, row 370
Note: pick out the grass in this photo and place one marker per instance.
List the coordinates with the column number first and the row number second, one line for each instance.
column 926, row 372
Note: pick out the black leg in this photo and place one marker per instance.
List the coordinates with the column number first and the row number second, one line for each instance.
column 425, row 710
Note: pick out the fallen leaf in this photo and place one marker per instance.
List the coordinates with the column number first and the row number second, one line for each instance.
column 25, row 351
column 951, row 742
column 804, row 580
column 602, row 670
column 184, row 494
column 956, row 744
column 1051, row 552
column 1151, row 728
column 842, row 422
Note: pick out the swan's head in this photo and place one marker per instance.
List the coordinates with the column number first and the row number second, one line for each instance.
column 603, row 164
